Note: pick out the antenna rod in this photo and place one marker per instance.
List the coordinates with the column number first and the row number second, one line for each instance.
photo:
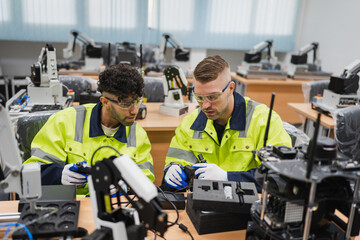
column 312, row 148
column 269, row 118
column 109, row 53
column 141, row 57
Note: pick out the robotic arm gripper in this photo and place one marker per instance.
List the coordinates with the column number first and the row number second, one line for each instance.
column 175, row 85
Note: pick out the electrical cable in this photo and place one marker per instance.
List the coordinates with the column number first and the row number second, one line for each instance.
column 52, row 211
column 181, row 226
column 101, row 148
column 24, row 105
column 156, row 234
column 66, row 87
column 20, row 225
column 173, row 205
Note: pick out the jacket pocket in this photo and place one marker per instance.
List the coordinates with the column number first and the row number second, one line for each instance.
column 201, row 146
column 76, row 152
column 243, row 145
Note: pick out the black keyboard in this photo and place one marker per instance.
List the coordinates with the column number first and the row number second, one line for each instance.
column 38, row 108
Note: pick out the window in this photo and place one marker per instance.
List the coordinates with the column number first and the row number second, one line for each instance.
column 176, row 16
column 44, row 12
column 112, row 14
column 275, row 17
column 152, row 14
column 212, row 24
column 230, row 16
column 4, row 11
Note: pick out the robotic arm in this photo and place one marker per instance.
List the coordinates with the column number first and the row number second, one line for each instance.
column 180, row 53
column 25, row 179
column 92, row 50
column 301, row 57
column 348, row 82
column 300, row 69
column 352, row 69
column 45, row 69
column 254, row 56
column 45, row 87
column 124, row 223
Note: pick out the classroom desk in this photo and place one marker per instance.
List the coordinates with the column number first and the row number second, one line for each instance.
column 305, row 110
column 286, row 91
column 160, row 129
column 86, row 220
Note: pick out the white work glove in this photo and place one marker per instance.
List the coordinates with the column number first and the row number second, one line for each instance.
column 175, row 177
column 69, row 177
column 210, row 171
column 114, row 192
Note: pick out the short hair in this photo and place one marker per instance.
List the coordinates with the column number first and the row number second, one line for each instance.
column 122, row 80
column 210, row 68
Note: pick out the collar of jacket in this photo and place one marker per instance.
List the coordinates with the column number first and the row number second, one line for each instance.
column 95, row 125
column 237, row 120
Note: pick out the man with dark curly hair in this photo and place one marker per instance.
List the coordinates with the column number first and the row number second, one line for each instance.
column 74, row 134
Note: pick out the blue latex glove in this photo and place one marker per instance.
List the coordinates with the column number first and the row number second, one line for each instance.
column 175, row 177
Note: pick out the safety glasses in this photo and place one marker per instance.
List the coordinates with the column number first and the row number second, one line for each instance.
column 126, row 104
column 212, row 97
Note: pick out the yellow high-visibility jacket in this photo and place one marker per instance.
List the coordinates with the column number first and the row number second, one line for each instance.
column 244, row 132
column 74, row 134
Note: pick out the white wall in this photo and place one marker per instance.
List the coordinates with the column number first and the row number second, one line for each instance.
column 335, row 25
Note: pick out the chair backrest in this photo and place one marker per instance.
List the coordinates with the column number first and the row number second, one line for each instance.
column 347, row 131
column 28, row 126
column 297, row 136
column 154, row 89
column 312, row 88
column 78, row 83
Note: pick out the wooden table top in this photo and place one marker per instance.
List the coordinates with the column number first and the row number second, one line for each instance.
column 154, row 121
column 306, row 110
column 287, row 81
column 86, row 220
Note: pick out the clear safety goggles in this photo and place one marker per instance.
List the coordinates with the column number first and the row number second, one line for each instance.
column 212, row 97
column 126, row 104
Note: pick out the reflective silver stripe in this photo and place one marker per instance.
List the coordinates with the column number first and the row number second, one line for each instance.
column 146, row 165
column 131, row 139
column 197, row 135
column 37, row 152
column 250, row 107
column 182, row 154
column 79, row 125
